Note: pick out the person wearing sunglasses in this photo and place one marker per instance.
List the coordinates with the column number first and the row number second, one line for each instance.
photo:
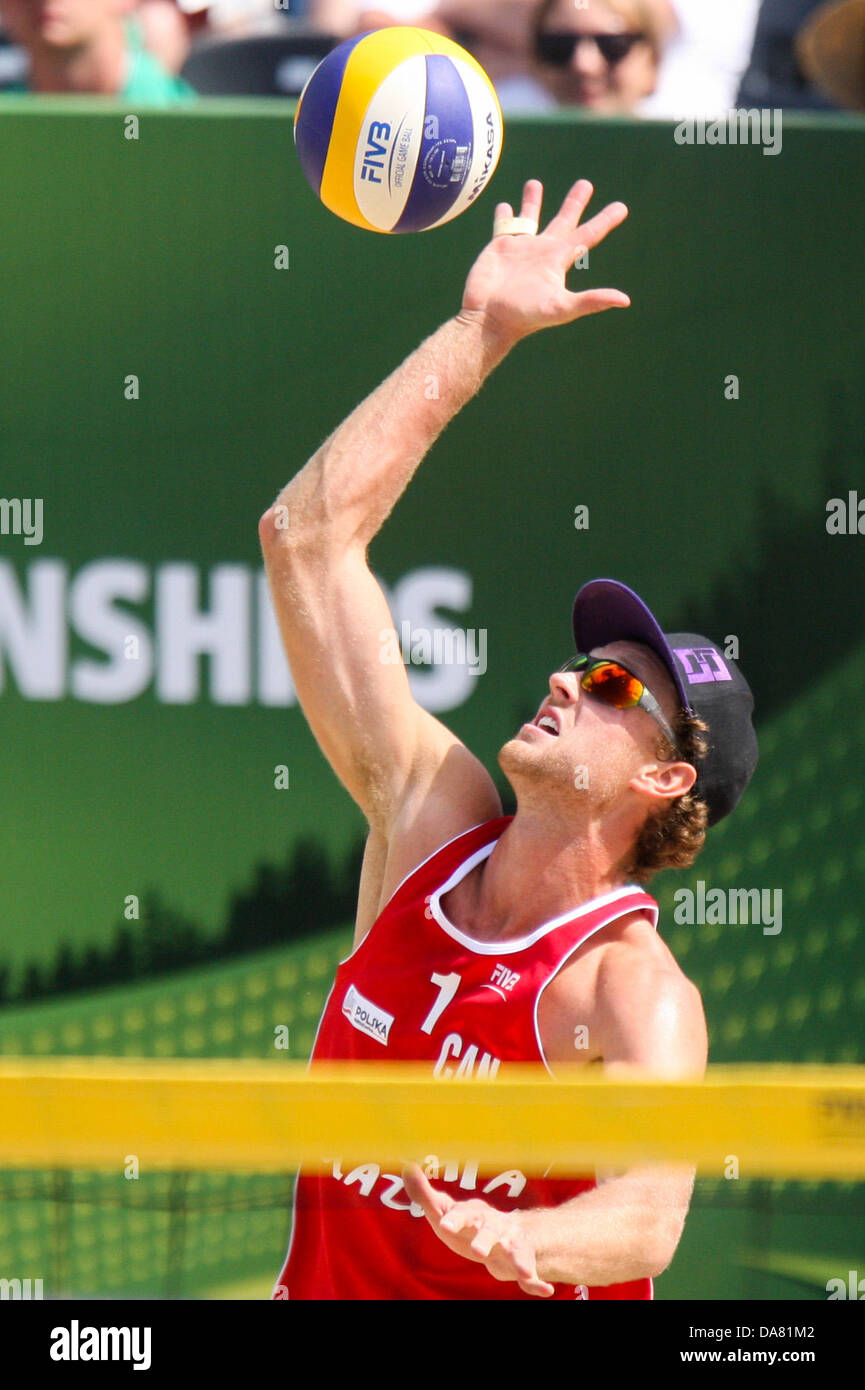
column 605, row 56
column 484, row 940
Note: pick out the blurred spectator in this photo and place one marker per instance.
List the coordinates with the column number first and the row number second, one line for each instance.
column 830, row 48
column 345, row 18
column 164, row 32
column 773, row 76
column 77, row 46
column 240, row 19
column 497, row 32
column 573, row 67
column 704, row 61
column 500, row 34
column 605, row 57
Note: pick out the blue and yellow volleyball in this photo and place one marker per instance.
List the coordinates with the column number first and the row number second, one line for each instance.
column 398, row 130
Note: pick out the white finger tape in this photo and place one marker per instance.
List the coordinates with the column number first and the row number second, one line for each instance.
column 515, row 226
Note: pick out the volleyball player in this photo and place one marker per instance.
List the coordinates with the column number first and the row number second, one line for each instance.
column 482, row 939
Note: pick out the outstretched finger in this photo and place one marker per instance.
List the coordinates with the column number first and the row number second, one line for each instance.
column 503, row 214
column 603, row 222
column 593, row 302
column 533, row 197
column 539, row 1288
column 435, row 1204
column 573, row 206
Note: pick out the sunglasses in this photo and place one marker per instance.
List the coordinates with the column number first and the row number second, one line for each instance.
column 613, row 684
column 558, row 49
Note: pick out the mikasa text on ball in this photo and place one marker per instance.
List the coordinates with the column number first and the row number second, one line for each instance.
column 398, row 130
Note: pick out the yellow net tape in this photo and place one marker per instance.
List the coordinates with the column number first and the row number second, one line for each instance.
column 796, row 1122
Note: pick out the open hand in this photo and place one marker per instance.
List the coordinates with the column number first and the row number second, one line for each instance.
column 517, row 284
column 477, row 1231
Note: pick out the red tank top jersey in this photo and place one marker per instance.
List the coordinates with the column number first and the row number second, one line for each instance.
column 418, row 989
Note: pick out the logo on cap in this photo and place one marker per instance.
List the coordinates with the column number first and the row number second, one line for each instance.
column 702, row 664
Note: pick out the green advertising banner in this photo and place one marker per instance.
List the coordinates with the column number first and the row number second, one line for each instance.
column 185, row 324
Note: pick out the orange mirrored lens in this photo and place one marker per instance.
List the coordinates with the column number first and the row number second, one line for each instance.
column 614, row 685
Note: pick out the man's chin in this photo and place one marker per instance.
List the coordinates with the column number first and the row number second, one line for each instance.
column 518, row 741
column 513, row 754
column 566, row 785
column 526, row 751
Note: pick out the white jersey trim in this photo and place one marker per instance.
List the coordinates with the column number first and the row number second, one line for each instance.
column 566, row 957
column 520, row 943
column 354, row 950
column 451, row 841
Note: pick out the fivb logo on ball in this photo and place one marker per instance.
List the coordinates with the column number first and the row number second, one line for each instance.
column 398, row 130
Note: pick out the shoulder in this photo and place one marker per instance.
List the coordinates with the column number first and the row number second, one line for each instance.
column 644, row 1011
column 633, row 954
column 431, row 818
column 641, row 986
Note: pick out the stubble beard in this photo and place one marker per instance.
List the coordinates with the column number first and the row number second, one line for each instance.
column 563, row 782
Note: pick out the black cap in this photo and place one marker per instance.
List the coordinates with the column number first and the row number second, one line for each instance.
column 710, row 685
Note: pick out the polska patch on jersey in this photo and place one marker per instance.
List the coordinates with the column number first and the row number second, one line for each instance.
column 366, row 1017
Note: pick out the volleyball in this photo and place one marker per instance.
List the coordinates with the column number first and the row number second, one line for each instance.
column 398, row 130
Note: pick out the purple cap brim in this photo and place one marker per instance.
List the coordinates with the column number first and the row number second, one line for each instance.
column 607, row 611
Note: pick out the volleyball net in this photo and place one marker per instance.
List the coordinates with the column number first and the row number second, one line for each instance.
column 806, row 1122
column 173, row 1177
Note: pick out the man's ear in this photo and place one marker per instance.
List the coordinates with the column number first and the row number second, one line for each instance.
column 665, row 781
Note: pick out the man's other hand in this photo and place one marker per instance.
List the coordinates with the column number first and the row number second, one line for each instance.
column 479, row 1232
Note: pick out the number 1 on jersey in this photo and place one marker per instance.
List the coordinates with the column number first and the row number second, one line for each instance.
column 448, row 986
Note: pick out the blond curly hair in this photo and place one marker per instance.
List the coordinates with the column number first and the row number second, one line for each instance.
column 673, row 837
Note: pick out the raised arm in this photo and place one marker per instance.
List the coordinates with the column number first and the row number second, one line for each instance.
column 332, row 614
